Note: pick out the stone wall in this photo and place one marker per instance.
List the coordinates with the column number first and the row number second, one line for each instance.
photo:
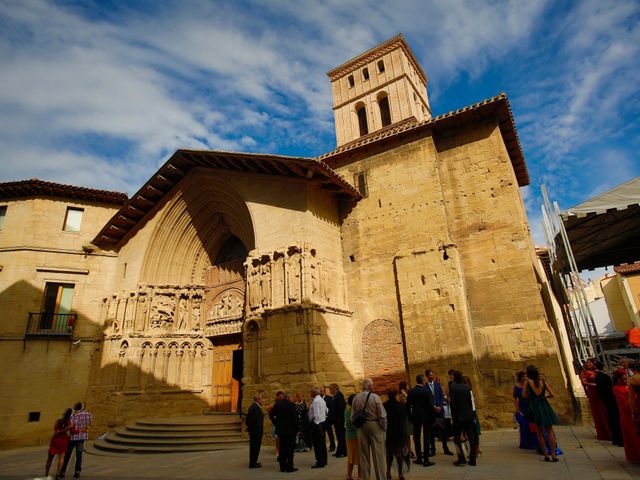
column 488, row 224
column 440, row 247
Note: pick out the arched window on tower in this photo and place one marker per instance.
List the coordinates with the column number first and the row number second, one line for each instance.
column 365, row 73
column 351, row 81
column 385, row 112
column 380, row 66
column 362, row 119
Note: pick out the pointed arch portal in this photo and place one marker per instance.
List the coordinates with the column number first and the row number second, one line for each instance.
column 203, row 238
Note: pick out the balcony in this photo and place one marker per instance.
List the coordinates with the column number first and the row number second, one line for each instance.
column 47, row 324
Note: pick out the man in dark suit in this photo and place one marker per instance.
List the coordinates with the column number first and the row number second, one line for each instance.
column 438, row 401
column 337, row 419
column 462, row 416
column 328, row 425
column 422, row 414
column 255, row 425
column 283, row 415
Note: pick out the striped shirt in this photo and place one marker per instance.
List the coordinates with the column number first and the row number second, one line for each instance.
column 81, row 421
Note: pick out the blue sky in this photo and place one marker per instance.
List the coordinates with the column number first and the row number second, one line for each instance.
column 101, row 93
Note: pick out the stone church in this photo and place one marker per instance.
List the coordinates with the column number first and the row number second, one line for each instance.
column 228, row 274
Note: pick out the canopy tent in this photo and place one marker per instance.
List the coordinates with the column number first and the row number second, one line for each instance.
column 604, row 230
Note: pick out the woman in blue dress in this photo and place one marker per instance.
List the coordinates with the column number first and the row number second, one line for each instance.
column 528, row 439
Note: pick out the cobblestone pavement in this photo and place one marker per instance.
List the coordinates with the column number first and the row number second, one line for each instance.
column 585, row 458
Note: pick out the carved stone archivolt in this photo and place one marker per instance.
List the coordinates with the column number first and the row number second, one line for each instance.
column 293, row 275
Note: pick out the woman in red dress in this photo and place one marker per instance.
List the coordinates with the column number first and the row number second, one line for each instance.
column 630, row 435
column 59, row 442
column 598, row 412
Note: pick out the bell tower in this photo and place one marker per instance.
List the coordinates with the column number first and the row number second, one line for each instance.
column 378, row 88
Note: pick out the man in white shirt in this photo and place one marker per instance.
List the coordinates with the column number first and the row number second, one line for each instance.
column 317, row 417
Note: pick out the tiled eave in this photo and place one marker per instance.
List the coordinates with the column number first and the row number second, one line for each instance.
column 627, row 268
column 183, row 161
column 41, row 188
column 497, row 108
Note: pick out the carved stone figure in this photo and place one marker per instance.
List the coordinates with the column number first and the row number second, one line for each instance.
column 230, row 305
column 130, row 306
column 141, row 314
column 315, row 276
column 162, row 310
column 253, row 280
column 195, row 317
column 112, row 309
column 265, row 284
column 182, row 313
column 277, row 280
column 293, row 278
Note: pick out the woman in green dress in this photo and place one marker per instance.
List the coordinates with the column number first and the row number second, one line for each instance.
column 536, row 392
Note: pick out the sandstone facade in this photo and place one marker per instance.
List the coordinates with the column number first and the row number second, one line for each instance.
column 230, row 274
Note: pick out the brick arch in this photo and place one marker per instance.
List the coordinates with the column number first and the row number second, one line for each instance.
column 383, row 355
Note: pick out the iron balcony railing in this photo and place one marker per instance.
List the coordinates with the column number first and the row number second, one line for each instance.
column 49, row 324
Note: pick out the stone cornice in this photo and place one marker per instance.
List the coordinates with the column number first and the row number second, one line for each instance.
column 371, row 55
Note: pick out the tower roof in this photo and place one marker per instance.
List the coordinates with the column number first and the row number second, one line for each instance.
column 376, row 52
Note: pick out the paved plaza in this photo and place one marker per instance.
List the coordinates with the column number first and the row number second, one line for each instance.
column 585, row 458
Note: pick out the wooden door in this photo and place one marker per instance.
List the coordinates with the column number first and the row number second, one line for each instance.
column 225, row 389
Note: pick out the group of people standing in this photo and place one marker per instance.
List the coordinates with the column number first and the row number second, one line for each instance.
column 70, row 434
column 614, row 400
column 369, row 432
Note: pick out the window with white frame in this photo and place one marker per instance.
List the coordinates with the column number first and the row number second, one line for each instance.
column 73, row 219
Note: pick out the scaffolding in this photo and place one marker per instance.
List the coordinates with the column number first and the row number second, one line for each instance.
column 566, row 283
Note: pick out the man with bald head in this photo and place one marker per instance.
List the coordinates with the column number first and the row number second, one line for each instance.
column 371, row 435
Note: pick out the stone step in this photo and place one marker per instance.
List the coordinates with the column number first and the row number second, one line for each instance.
column 208, row 419
column 116, row 438
column 143, row 433
column 184, row 428
column 179, row 434
column 107, row 448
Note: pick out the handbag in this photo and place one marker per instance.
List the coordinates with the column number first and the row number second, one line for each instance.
column 361, row 417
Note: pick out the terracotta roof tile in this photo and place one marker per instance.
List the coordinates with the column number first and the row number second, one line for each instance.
column 36, row 187
column 496, row 106
column 626, row 268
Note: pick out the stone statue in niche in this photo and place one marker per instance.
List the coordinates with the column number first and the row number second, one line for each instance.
column 130, row 305
column 265, row 284
column 183, row 323
column 293, row 276
column 162, row 311
column 115, row 326
column 314, row 273
column 112, row 308
column 253, row 281
column 195, row 316
column 277, row 279
column 141, row 313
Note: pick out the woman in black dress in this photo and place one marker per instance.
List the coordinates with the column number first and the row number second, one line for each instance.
column 397, row 435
